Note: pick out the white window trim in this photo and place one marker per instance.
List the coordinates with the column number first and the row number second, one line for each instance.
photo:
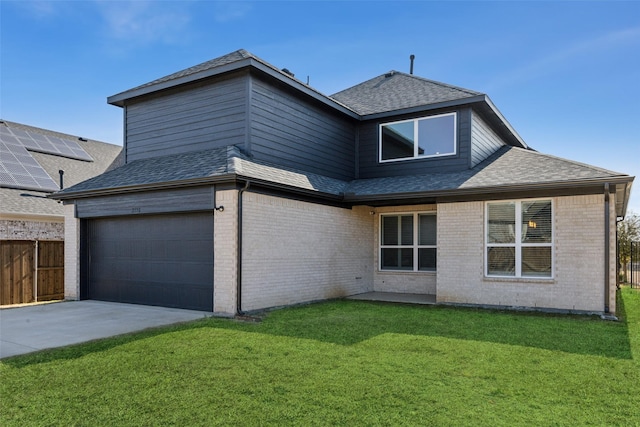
column 415, row 245
column 416, row 143
column 518, row 245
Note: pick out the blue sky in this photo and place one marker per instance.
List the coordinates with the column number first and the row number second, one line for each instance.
column 566, row 75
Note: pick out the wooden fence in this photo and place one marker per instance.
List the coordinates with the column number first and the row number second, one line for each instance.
column 23, row 263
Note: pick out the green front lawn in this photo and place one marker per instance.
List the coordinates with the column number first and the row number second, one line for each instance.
column 342, row 363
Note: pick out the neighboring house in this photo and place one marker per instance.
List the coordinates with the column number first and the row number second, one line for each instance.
column 244, row 188
column 31, row 224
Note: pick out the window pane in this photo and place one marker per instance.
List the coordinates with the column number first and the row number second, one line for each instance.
column 536, row 261
column 390, row 230
column 536, row 222
column 501, row 261
column 427, row 230
column 436, row 136
column 397, row 259
column 397, row 140
column 502, row 223
column 427, row 259
column 407, row 230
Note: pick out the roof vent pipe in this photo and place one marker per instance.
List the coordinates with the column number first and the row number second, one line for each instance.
column 61, row 172
column 412, row 57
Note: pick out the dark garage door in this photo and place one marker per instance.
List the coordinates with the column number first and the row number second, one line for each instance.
column 164, row 260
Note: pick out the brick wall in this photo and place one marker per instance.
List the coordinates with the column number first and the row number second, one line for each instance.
column 224, row 253
column 295, row 251
column 31, row 230
column 578, row 282
column 402, row 282
column 71, row 253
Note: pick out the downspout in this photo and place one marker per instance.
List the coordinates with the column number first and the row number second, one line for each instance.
column 607, row 243
column 239, row 253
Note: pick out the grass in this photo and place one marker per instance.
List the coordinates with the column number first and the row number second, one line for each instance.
column 342, row 363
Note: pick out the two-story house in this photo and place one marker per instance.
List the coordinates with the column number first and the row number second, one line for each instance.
column 244, row 188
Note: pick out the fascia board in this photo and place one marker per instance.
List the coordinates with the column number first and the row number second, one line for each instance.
column 119, row 98
column 488, row 190
column 428, row 107
column 506, row 123
column 26, row 216
column 228, row 178
column 307, row 90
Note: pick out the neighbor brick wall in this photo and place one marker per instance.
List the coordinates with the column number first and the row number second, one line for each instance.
column 578, row 282
column 296, row 251
column 31, row 230
column 398, row 281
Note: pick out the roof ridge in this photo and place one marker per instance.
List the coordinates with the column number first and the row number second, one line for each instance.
column 439, row 83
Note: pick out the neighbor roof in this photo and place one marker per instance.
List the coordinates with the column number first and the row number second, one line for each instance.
column 20, row 201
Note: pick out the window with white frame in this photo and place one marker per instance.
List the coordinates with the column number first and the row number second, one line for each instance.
column 408, row 242
column 519, row 238
column 424, row 137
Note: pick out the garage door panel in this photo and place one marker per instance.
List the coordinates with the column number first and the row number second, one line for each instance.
column 164, row 260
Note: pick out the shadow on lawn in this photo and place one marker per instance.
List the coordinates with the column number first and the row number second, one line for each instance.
column 350, row 322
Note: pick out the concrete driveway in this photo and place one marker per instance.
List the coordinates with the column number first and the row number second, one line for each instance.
column 36, row 327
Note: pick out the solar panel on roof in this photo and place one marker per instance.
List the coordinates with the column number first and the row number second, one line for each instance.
column 46, row 144
column 18, row 169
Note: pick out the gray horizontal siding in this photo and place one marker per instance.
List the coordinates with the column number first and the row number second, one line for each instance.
column 165, row 201
column 368, row 151
column 484, row 141
column 291, row 132
column 194, row 119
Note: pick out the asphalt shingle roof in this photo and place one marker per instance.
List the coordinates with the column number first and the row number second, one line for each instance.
column 396, row 91
column 229, row 58
column 20, row 201
column 509, row 166
column 200, row 165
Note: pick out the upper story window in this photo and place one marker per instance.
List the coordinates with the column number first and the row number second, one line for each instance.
column 417, row 138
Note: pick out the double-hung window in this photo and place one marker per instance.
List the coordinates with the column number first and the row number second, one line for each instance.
column 418, row 138
column 408, row 242
column 519, row 238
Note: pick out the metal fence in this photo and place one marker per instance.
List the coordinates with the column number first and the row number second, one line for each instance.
column 634, row 265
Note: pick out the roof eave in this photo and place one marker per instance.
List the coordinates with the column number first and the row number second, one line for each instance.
column 483, row 191
column 426, row 107
column 72, row 195
column 121, row 98
column 227, row 178
column 477, row 99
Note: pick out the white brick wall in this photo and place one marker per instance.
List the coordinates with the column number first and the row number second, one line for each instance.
column 71, row 253
column 225, row 246
column 578, row 282
column 295, row 251
column 401, row 282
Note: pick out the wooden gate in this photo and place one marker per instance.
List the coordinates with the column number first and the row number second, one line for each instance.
column 18, row 271
column 50, row 271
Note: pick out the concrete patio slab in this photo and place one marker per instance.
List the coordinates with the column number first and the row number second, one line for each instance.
column 37, row 327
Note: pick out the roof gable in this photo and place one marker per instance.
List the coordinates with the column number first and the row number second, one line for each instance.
column 398, row 91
